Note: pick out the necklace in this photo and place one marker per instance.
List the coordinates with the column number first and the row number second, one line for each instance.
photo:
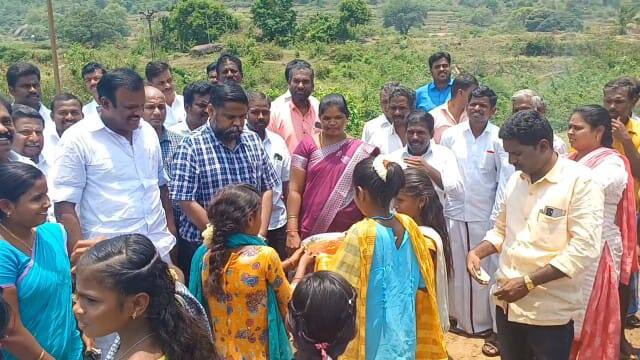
column 320, row 138
column 29, row 248
column 389, row 217
column 121, row 357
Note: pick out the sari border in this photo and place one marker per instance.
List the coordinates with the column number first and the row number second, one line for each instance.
column 320, row 154
column 343, row 193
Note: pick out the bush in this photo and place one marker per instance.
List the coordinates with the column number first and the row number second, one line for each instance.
column 482, row 17
column 321, row 28
column 107, row 25
column 275, row 18
column 545, row 20
column 541, row 46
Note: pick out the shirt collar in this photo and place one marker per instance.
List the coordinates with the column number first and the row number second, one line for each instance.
column 217, row 141
column 164, row 136
column 427, row 153
column 467, row 127
column 553, row 176
column 432, row 85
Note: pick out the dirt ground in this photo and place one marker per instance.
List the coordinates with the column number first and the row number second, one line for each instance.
column 461, row 348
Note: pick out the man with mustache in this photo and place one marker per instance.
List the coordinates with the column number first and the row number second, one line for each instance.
column 91, row 74
column 23, row 80
column 155, row 113
column 454, row 111
column 159, row 76
column 383, row 120
column 66, row 110
column 196, row 99
column 229, row 69
column 423, row 153
column 620, row 97
column 391, row 138
column 216, row 155
column 484, row 168
column 295, row 117
column 7, row 134
column 28, row 140
column 276, row 148
column 527, row 99
column 438, row 91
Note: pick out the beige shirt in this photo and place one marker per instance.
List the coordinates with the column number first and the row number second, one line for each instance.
column 443, row 119
column 558, row 221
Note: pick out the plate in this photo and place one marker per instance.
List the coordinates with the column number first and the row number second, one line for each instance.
column 326, row 243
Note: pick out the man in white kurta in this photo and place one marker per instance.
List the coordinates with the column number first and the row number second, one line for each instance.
column 483, row 166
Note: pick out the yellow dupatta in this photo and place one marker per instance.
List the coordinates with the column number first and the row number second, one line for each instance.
column 353, row 261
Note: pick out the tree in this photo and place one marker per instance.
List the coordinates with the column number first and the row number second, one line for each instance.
column 275, row 18
column 352, row 13
column 404, row 14
column 197, row 22
column 626, row 13
column 321, row 28
column 107, row 25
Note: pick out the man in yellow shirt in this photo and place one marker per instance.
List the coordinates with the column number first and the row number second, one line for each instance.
column 547, row 231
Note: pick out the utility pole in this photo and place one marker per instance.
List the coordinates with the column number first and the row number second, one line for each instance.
column 54, row 47
column 148, row 15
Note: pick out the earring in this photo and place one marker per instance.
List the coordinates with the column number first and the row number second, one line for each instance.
column 134, row 316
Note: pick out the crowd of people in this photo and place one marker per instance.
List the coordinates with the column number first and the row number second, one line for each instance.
column 152, row 225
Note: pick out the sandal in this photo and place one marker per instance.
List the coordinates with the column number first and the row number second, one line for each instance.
column 632, row 322
column 490, row 348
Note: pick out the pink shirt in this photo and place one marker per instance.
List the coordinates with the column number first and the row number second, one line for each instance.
column 288, row 122
column 443, row 119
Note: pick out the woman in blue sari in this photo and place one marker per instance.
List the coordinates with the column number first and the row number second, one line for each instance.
column 35, row 273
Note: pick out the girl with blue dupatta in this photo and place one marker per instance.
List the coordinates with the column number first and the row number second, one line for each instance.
column 35, row 273
column 242, row 280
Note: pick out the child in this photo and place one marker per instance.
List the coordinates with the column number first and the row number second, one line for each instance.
column 419, row 200
column 124, row 287
column 243, row 281
column 322, row 316
column 387, row 260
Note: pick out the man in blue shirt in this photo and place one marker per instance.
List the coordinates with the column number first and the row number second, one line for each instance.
column 438, row 91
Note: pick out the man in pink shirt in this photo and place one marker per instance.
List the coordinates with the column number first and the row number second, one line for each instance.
column 296, row 117
column 453, row 111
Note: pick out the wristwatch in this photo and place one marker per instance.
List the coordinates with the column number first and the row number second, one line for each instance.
column 529, row 283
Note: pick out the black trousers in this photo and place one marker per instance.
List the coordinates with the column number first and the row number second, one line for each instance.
column 525, row 342
column 186, row 249
column 277, row 239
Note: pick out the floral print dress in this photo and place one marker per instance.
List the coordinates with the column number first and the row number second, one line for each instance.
column 239, row 316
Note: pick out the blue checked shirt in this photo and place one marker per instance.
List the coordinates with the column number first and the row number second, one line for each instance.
column 203, row 165
column 168, row 145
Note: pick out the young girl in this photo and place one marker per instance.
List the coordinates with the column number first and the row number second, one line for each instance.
column 419, row 200
column 322, row 316
column 243, row 279
column 387, row 260
column 35, row 274
column 124, row 287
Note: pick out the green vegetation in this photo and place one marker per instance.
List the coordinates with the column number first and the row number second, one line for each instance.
column 352, row 46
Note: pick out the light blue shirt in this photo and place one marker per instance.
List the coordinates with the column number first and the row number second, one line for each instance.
column 429, row 96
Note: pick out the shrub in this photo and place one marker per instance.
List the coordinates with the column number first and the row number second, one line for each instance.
column 275, row 18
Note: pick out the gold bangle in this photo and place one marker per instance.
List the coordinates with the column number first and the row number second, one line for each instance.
column 292, row 231
column 41, row 355
column 292, row 217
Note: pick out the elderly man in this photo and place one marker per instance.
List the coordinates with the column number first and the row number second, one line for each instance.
column 196, row 100
column 29, row 135
column 384, row 120
column 91, row 74
column 438, row 91
column 155, row 113
column 528, row 99
column 548, row 230
column 483, row 167
column 229, row 69
column 23, row 80
column 112, row 170
column 422, row 152
column 158, row 74
column 454, row 111
column 391, row 138
column 296, row 117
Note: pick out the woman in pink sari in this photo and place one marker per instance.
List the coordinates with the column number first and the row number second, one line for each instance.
column 321, row 188
column 598, row 328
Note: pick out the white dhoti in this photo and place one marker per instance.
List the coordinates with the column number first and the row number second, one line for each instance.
column 469, row 301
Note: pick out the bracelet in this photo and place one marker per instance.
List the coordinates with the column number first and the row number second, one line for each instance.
column 292, row 217
column 41, row 355
column 291, row 231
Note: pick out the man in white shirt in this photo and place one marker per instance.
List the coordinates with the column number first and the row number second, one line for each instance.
column 483, row 166
column 257, row 121
column 159, row 76
column 382, row 121
column 527, row 99
column 29, row 135
column 389, row 139
column 7, row 134
column 113, row 170
column 23, row 80
column 421, row 152
column 454, row 111
column 196, row 100
column 91, row 74
column 66, row 110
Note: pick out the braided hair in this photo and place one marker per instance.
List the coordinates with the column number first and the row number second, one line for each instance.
column 228, row 214
column 322, row 315
column 131, row 265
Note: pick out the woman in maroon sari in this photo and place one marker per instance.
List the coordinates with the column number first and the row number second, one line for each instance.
column 321, row 189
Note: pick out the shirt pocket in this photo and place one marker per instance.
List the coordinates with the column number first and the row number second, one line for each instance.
column 487, row 163
column 550, row 233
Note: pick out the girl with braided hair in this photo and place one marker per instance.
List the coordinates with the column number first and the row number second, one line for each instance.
column 322, row 316
column 123, row 286
column 241, row 279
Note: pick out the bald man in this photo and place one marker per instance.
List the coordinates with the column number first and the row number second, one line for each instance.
column 155, row 113
column 527, row 99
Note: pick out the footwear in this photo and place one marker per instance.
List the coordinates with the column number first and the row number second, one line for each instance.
column 632, row 322
column 490, row 348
